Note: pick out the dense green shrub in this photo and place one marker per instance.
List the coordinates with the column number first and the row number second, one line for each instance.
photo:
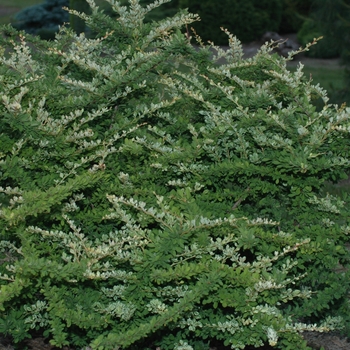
column 247, row 19
column 330, row 19
column 326, row 48
column 150, row 197
column 43, row 19
column 293, row 15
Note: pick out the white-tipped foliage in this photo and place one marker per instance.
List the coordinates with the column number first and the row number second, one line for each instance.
column 152, row 198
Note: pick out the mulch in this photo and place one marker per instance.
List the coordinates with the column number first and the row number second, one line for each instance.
column 326, row 341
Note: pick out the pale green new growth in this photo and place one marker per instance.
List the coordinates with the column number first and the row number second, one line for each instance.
column 153, row 198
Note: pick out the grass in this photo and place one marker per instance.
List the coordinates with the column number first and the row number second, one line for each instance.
column 328, row 73
column 15, row 6
column 328, row 78
column 20, row 3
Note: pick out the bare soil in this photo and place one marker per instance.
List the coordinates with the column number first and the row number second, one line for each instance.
column 315, row 340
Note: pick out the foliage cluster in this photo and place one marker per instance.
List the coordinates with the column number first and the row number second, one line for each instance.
column 152, row 198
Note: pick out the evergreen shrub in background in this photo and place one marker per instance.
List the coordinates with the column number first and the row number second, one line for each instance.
column 247, row 19
column 330, row 19
column 43, row 19
column 294, row 14
column 153, row 198
column 326, row 48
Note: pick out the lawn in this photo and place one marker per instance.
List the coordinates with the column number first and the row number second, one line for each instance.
column 328, row 78
column 8, row 8
column 20, row 3
column 328, row 73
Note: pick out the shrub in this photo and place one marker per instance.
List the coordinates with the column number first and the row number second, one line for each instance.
column 247, row 19
column 329, row 18
column 326, row 48
column 294, row 14
column 43, row 19
column 153, row 198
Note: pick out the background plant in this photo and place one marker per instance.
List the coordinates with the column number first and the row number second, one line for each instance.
column 43, row 19
column 151, row 198
column 294, row 14
column 330, row 19
column 248, row 20
column 77, row 23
